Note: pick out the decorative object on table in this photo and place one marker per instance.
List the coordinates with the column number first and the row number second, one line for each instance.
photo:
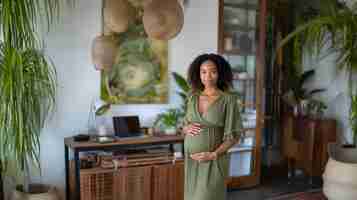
column 97, row 119
column 163, row 19
column 333, row 28
column 169, row 120
column 104, row 139
column 139, row 74
column 81, row 138
column 27, row 85
column 118, row 15
column 104, row 52
column 151, row 131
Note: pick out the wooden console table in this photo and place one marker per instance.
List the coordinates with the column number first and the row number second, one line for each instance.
column 77, row 147
column 305, row 143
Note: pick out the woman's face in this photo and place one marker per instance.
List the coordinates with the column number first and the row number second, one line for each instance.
column 209, row 74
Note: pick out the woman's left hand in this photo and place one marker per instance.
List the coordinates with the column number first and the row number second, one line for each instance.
column 204, row 156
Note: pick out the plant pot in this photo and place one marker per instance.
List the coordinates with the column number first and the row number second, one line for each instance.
column 170, row 131
column 37, row 192
column 340, row 176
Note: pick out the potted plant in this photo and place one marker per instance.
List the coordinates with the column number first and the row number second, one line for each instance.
column 334, row 28
column 27, row 85
column 185, row 88
column 169, row 120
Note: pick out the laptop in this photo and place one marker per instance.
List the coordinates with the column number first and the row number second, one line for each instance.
column 127, row 126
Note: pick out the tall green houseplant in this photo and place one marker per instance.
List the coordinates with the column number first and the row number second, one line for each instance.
column 27, row 82
column 333, row 29
column 185, row 88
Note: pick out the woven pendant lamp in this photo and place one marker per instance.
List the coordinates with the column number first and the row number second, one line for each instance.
column 163, row 19
column 118, row 14
column 138, row 3
column 104, row 51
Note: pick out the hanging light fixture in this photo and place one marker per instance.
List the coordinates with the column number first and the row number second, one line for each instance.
column 104, row 51
column 163, row 19
column 118, row 14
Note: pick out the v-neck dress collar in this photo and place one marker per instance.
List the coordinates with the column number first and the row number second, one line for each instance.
column 209, row 107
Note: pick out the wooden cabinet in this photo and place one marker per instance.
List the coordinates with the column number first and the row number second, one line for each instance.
column 133, row 183
column 305, row 143
column 151, row 182
column 143, row 179
column 168, row 182
column 241, row 40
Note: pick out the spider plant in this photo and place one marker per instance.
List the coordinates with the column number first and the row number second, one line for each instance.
column 27, row 85
column 27, row 82
column 333, row 30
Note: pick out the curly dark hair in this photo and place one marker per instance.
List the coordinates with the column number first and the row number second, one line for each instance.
column 224, row 70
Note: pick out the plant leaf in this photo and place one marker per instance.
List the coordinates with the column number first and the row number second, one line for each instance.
column 305, row 76
column 181, row 82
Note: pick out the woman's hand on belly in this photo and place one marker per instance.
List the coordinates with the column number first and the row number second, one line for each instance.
column 204, row 156
column 192, row 129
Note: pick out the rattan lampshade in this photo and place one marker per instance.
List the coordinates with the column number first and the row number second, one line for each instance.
column 118, row 14
column 163, row 19
column 104, row 51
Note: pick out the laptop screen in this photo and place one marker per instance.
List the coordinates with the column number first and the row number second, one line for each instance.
column 126, row 126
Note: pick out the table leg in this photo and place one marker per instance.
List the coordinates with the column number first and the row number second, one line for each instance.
column 66, row 164
column 172, row 148
column 291, row 170
column 76, row 174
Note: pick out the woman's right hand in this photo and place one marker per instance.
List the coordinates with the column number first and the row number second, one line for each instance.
column 192, row 129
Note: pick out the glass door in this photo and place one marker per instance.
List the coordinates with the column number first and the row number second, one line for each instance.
column 241, row 41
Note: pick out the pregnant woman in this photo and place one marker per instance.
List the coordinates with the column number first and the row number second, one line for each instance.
column 211, row 126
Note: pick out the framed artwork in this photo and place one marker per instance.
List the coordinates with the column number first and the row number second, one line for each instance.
column 140, row 72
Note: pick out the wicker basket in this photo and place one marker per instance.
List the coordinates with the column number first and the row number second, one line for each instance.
column 96, row 183
column 97, row 186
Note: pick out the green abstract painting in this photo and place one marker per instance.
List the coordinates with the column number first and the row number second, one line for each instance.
column 140, row 72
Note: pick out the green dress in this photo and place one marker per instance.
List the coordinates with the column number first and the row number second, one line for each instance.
column 221, row 121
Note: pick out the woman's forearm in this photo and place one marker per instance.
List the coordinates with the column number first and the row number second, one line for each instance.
column 223, row 148
column 205, row 156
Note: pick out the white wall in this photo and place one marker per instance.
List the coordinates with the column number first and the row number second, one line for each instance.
column 69, row 43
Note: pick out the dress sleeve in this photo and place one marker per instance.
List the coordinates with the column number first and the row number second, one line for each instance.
column 233, row 127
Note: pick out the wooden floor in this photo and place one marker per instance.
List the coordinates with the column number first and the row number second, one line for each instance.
column 271, row 188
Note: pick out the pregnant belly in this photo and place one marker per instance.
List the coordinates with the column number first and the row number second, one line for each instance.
column 196, row 144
